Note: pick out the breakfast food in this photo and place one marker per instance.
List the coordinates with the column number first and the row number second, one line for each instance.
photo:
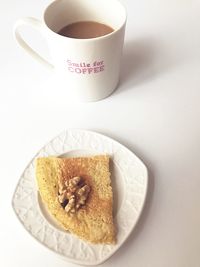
column 78, row 193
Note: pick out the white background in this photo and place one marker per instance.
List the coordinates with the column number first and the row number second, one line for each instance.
column 155, row 112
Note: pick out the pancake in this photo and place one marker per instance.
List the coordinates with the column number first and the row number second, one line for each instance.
column 93, row 221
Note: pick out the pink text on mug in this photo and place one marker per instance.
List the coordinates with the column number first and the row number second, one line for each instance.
column 85, row 68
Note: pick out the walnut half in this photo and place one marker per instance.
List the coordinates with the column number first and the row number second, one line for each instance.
column 73, row 194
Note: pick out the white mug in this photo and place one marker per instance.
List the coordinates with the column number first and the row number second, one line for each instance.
column 87, row 68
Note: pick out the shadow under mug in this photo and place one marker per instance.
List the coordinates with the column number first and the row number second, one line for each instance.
column 88, row 69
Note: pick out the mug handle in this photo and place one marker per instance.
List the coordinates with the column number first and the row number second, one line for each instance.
column 37, row 25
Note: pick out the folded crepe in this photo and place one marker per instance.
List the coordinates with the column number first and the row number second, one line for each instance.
column 92, row 221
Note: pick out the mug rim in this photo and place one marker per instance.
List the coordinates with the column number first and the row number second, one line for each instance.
column 86, row 39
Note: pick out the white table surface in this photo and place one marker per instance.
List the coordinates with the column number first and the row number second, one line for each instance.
column 155, row 112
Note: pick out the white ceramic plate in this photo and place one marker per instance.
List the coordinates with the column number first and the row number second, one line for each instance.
column 129, row 182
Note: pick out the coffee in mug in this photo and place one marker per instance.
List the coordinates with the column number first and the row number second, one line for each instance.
column 85, row 30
